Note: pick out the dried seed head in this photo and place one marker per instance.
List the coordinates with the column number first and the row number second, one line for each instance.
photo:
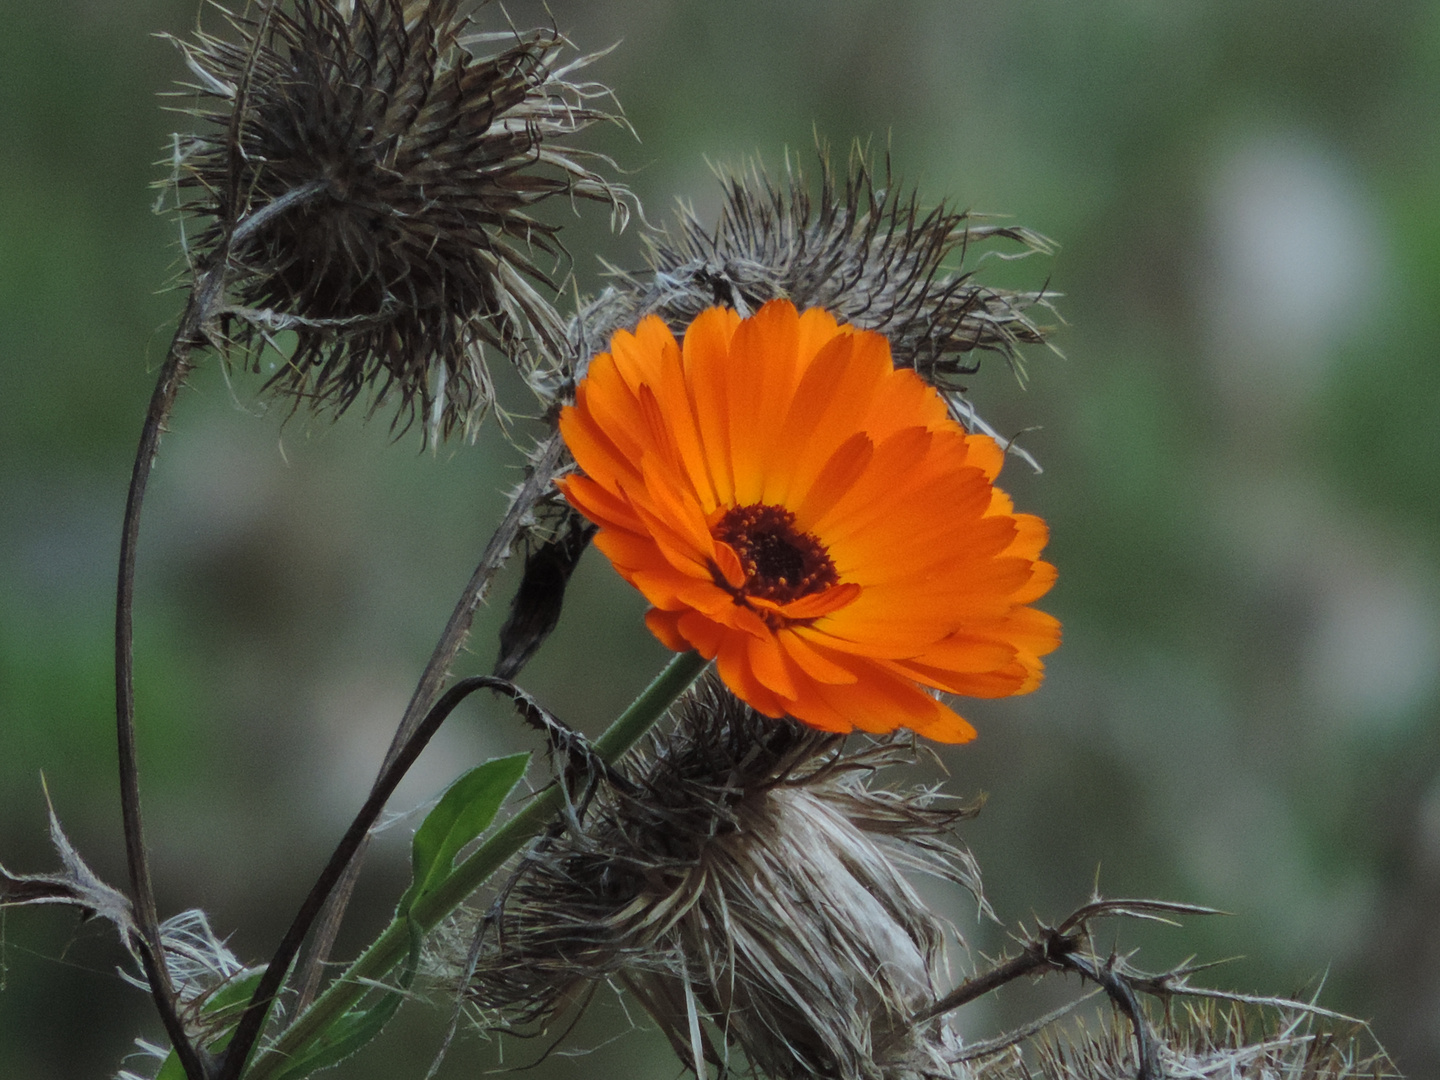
column 1208, row 1042
column 748, row 885
column 414, row 167
column 863, row 249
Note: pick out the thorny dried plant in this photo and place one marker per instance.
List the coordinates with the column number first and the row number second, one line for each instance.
column 863, row 247
column 416, row 166
column 370, row 186
column 745, row 883
column 1200, row 1033
column 746, row 876
column 1209, row 1041
column 201, row 967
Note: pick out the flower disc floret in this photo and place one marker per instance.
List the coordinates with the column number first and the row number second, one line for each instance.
column 810, row 517
column 780, row 563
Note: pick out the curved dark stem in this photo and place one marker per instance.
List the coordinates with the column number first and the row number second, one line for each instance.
column 172, row 376
column 452, row 639
column 1037, row 955
column 1119, row 990
column 251, row 1021
column 1065, row 948
column 192, row 332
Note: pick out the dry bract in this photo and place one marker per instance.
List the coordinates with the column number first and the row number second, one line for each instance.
column 1208, row 1042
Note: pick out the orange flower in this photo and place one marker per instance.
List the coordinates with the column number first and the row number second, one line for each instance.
column 810, row 517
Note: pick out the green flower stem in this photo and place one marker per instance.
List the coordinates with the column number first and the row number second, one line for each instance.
column 394, row 943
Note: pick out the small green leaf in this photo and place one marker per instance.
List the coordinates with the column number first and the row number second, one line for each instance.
column 229, row 1001
column 465, row 811
column 234, row 995
column 343, row 1038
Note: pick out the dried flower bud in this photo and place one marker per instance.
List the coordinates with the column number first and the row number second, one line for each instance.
column 866, row 252
column 415, row 166
column 747, row 882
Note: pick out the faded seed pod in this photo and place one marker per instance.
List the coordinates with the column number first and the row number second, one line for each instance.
column 745, row 885
column 415, row 167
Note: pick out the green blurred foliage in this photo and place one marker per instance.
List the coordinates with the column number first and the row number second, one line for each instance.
column 1243, row 505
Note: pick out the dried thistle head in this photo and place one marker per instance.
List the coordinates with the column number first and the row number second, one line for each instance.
column 863, row 248
column 745, row 885
column 402, row 172
column 1208, row 1041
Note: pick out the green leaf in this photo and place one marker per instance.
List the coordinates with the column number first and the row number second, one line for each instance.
column 234, row 995
column 343, row 1038
column 229, row 1001
column 465, row 811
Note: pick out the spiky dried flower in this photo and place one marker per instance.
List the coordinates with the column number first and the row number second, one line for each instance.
column 745, row 883
column 863, row 248
column 1209, row 1042
column 415, row 167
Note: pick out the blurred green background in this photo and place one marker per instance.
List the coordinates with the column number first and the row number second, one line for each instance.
column 1242, row 475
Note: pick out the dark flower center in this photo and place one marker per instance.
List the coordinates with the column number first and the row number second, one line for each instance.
column 781, row 562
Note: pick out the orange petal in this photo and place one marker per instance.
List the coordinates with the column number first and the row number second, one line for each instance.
column 839, row 474
column 813, row 661
column 733, row 664
column 598, row 504
column 1042, row 577
column 640, row 357
column 706, row 356
column 826, row 602
column 593, row 449
column 768, row 662
column 729, row 564
column 665, row 625
column 762, row 372
column 1031, row 535
column 829, row 406
column 703, row 635
column 879, row 702
column 902, row 400
column 985, row 453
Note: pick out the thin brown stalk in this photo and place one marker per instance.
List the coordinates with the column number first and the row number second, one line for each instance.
column 177, row 365
column 1067, row 948
column 452, row 640
column 193, row 331
column 248, row 1029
